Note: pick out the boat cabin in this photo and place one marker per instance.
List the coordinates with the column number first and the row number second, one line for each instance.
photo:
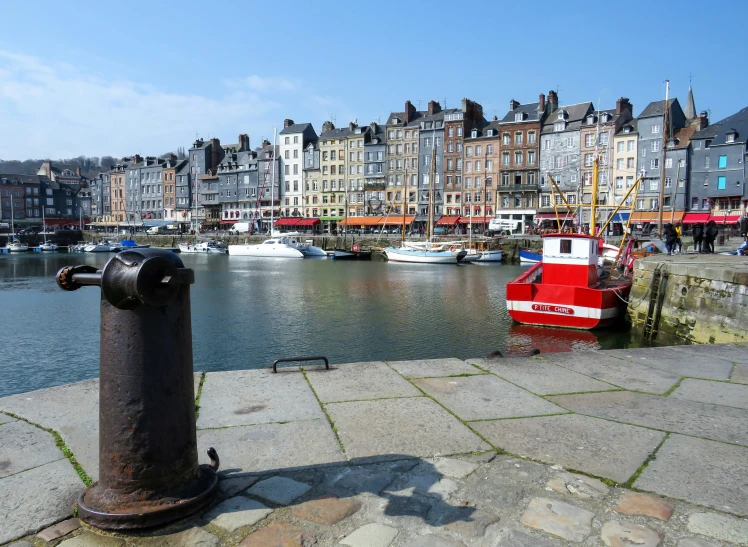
column 570, row 259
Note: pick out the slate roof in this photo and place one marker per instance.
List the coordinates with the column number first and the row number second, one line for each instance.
column 683, row 136
column 22, row 179
column 531, row 109
column 718, row 132
column 633, row 123
column 574, row 118
column 656, row 108
column 483, row 129
column 337, row 133
column 598, row 113
column 295, row 128
column 401, row 115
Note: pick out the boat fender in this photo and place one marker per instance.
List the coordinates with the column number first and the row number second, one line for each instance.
column 453, row 248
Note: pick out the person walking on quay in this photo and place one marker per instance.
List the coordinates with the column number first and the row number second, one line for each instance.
column 710, row 235
column 668, row 234
column 743, row 225
column 678, row 235
column 698, row 237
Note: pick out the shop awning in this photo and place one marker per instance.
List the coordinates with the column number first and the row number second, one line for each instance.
column 361, row 221
column 308, row 222
column 725, row 219
column 64, row 221
column 621, row 217
column 695, row 218
column 474, row 220
column 448, row 221
column 287, row 221
column 232, row 221
column 652, row 217
column 396, row 220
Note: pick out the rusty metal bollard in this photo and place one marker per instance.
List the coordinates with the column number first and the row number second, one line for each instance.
column 148, row 466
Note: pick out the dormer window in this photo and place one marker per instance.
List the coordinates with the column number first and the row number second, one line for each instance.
column 627, row 129
column 562, row 114
column 590, row 119
column 605, row 118
column 395, row 120
column 489, row 132
column 518, row 117
column 730, row 137
column 474, row 133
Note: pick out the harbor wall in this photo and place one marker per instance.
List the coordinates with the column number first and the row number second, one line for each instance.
column 690, row 298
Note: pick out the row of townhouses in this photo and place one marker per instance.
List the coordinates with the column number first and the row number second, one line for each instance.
column 470, row 168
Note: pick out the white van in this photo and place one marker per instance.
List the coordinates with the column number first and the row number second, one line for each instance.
column 239, row 228
column 503, row 226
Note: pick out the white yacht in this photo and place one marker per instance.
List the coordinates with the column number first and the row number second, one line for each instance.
column 280, row 247
column 17, row 247
column 48, row 247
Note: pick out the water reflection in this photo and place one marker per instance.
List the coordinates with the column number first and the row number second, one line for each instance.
column 246, row 312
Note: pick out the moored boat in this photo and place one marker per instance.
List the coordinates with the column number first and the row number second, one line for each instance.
column 17, row 247
column 567, row 288
column 528, row 257
column 424, row 255
column 208, row 247
column 272, row 248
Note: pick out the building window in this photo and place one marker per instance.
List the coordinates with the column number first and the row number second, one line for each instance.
column 655, row 164
column 518, row 158
column 668, row 182
column 531, row 137
column 546, row 144
column 518, row 138
column 721, row 182
column 722, row 162
column 545, row 200
column 655, row 146
column 669, row 163
column 655, row 129
column 589, row 140
column 730, row 137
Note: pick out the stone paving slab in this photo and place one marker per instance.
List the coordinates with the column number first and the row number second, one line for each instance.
column 615, row 371
column 732, row 352
column 723, row 527
column 672, row 360
column 739, row 374
column 260, row 448
column 708, row 473
column 246, row 397
column 718, row 393
column 485, row 397
column 542, row 377
column 431, row 368
column 598, row 447
column 5, row 419
column 23, row 446
column 411, row 427
column 359, row 381
column 37, row 498
column 719, row 423
column 237, row 512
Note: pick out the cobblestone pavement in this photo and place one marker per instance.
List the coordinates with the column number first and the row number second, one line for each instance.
column 638, row 447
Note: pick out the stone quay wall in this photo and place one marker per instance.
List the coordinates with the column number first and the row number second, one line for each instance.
column 704, row 298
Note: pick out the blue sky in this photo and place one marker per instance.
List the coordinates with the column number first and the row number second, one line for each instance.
column 112, row 78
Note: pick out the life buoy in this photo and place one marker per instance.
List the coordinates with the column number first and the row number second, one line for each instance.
column 453, row 248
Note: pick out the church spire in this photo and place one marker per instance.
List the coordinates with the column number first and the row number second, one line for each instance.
column 690, row 110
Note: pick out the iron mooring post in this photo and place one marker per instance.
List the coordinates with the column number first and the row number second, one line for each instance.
column 148, row 465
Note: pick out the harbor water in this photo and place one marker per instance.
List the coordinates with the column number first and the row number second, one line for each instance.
column 247, row 312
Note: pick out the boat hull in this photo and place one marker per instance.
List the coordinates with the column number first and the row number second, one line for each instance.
column 340, row 254
column 18, row 248
column 489, row 256
column 532, row 302
column 265, row 251
column 526, row 257
column 424, row 257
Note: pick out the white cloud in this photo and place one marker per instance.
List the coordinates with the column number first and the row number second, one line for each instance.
column 58, row 111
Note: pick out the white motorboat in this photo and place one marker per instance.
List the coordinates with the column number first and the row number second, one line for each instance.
column 101, row 247
column 17, row 247
column 48, row 247
column 208, row 247
column 490, row 255
column 282, row 247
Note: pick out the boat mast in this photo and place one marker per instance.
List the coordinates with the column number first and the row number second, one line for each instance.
column 432, row 173
column 593, row 201
column 402, row 230
column 674, row 194
column 44, row 226
column 12, row 215
column 272, row 183
column 345, row 222
column 664, row 148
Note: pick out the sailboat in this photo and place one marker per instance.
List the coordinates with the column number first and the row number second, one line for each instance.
column 355, row 253
column 277, row 246
column 46, row 246
column 15, row 246
column 425, row 252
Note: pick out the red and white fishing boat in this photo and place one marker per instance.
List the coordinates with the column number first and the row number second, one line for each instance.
column 568, row 288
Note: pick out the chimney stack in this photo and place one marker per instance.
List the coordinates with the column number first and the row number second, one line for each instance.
column 327, row 126
column 434, row 108
column 702, row 121
column 623, row 105
column 410, row 111
column 243, row 142
column 553, row 99
column 265, row 143
column 541, row 102
column 287, row 123
column 513, row 105
column 136, row 158
column 215, row 151
column 373, row 126
column 78, row 171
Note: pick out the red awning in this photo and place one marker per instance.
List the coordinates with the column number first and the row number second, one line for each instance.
column 474, row 220
column 725, row 219
column 448, row 221
column 695, row 218
column 233, row 221
column 64, row 221
column 308, row 222
column 287, row 221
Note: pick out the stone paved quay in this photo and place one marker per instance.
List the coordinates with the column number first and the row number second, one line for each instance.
column 640, row 447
